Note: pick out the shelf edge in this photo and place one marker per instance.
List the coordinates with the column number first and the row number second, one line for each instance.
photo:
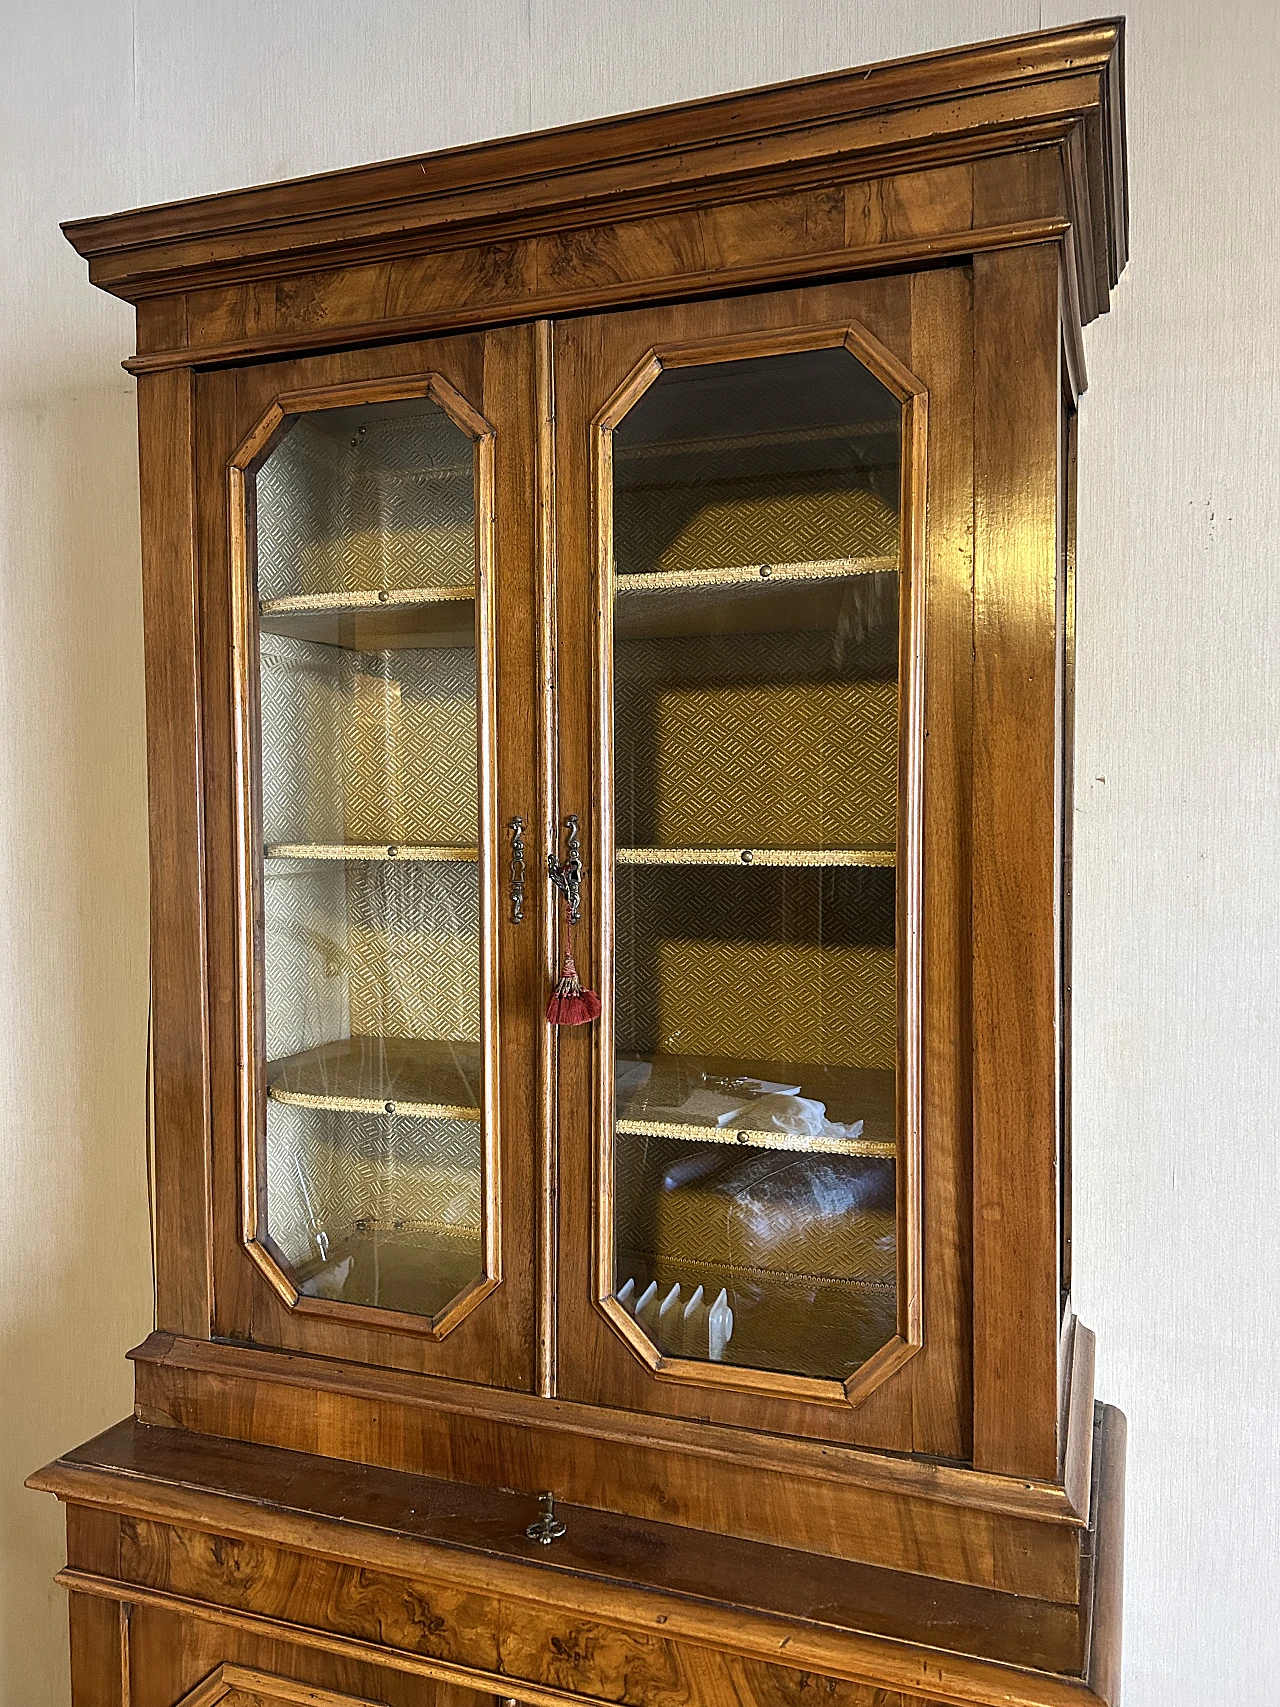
column 392, row 852
column 746, row 857
column 754, row 574
column 371, row 1105
column 756, row 1138
column 379, row 599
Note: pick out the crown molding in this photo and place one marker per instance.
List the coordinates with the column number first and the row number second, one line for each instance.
column 1061, row 88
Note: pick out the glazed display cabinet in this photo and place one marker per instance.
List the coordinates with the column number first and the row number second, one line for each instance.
column 609, row 603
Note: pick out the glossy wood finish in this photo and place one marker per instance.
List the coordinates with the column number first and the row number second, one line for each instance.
column 548, row 823
column 493, row 372
column 440, row 1580
column 604, row 365
column 926, row 1408
column 955, row 1534
column 1015, row 876
column 181, row 1044
column 908, row 1514
column 1060, row 92
column 942, row 1410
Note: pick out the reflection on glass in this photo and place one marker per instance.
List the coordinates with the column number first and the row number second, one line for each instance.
column 366, row 566
column 756, row 542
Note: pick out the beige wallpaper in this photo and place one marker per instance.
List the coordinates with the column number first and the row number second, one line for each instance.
column 111, row 103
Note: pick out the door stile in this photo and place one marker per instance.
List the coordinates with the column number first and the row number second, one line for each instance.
column 942, row 1376
column 543, row 837
column 176, row 774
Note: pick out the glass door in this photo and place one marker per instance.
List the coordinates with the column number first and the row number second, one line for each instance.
column 756, row 477
column 369, row 587
column 755, row 660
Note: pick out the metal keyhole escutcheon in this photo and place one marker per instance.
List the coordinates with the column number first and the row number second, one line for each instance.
column 516, row 827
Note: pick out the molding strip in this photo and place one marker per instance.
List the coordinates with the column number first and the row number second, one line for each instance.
column 786, row 267
column 870, row 1661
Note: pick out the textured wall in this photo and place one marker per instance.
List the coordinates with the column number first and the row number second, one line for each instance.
column 111, row 103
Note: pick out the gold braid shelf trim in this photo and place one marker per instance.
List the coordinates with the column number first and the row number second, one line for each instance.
column 757, row 856
column 745, row 574
column 756, row 1139
column 375, row 850
column 366, row 600
column 402, row 1228
column 371, row 1105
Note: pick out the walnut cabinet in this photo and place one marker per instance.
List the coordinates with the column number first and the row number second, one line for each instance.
column 627, row 568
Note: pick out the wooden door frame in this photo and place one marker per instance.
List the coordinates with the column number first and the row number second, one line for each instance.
column 874, row 1408
column 912, row 395
column 286, row 408
column 492, row 1326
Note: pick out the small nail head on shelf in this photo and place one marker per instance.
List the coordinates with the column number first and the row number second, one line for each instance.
column 548, row 1527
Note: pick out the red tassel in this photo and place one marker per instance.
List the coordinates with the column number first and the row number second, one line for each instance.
column 570, row 1004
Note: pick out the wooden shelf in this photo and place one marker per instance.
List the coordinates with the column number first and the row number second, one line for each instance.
column 849, row 1093
column 752, row 1138
column 796, row 598
column 400, row 852
column 757, row 856
column 419, row 617
column 889, row 427
column 422, row 1077
column 753, row 574
column 434, row 1079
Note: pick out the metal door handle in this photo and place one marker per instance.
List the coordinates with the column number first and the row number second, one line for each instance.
column 567, row 875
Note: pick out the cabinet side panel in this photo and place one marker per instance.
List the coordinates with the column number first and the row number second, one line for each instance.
column 217, row 430
column 1067, row 595
column 184, row 1285
column 1015, row 913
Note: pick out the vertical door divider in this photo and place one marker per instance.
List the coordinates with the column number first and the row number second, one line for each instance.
column 548, row 1145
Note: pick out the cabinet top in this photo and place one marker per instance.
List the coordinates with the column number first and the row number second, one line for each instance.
column 1061, row 86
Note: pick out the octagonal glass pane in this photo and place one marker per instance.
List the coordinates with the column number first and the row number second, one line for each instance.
column 756, row 740
column 364, row 550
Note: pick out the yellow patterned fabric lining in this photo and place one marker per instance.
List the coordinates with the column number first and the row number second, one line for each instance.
column 368, row 1169
column 377, row 948
column 774, row 964
column 781, row 518
column 386, row 503
column 362, row 749
column 815, row 763
column 797, row 1001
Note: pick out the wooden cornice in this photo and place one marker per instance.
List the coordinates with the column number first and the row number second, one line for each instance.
column 1062, row 89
